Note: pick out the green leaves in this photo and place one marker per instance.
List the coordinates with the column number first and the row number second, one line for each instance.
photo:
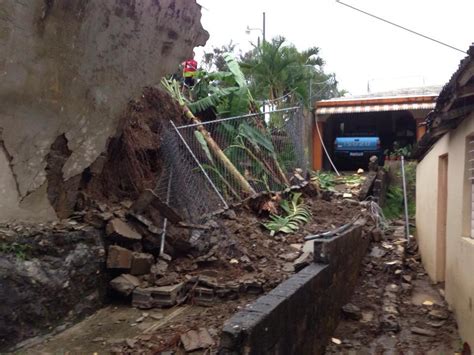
column 171, row 86
column 296, row 214
column 255, row 137
column 204, row 146
column 325, row 180
column 234, row 68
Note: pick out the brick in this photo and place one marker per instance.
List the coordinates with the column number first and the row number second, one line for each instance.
column 118, row 229
column 119, row 258
column 141, row 263
column 125, row 284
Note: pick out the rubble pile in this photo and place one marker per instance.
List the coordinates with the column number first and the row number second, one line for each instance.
column 395, row 307
column 229, row 256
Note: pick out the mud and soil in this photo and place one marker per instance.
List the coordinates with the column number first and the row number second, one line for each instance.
column 133, row 159
column 395, row 301
column 238, row 249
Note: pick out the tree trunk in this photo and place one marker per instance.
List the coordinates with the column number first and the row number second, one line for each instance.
column 238, row 177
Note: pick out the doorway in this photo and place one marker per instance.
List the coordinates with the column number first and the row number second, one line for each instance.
column 441, row 218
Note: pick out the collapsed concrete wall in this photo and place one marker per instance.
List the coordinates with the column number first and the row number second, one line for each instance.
column 68, row 69
column 300, row 315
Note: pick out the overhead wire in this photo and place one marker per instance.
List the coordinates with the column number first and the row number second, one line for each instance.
column 402, row 27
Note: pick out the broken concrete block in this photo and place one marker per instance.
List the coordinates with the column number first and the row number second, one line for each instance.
column 150, row 297
column 170, row 279
column 141, row 263
column 142, row 298
column 168, row 295
column 204, row 296
column 304, row 260
column 208, row 281
column 252, row 287
column 116, row 228
column 119, row 258
column 124, row 284
column 195, row 340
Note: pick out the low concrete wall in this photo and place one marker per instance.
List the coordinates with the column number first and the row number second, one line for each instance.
column 300, row 315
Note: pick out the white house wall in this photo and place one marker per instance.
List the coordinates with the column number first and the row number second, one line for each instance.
column 459, row 285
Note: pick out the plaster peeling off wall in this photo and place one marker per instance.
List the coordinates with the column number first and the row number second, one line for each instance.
column 69, row 67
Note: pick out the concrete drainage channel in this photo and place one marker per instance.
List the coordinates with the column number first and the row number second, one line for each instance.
column 300, row 315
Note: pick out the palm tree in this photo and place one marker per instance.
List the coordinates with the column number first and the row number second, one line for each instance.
column 278, row 70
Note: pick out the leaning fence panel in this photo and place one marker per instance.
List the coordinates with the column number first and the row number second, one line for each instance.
column 182, row 181
column 262, row 153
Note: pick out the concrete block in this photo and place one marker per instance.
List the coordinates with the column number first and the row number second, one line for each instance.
column 204, row 296
column 118, row 229
column 125, row 284
column 141, row 263
column 142, row 298
column 119, row 258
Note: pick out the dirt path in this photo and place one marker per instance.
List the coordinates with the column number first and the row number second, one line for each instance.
column 395, row 308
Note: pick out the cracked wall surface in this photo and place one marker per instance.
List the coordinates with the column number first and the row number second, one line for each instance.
column 69, row 67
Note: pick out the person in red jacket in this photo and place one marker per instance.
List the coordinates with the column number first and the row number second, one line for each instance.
column 189, row 71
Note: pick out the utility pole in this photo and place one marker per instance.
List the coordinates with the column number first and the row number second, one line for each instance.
column 263, row 28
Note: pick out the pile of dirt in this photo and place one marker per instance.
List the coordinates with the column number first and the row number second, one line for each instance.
column 133, row 160
column 221, row 265
column 395, row 307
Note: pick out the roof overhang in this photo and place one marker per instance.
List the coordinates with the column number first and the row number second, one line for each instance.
column 380, row 104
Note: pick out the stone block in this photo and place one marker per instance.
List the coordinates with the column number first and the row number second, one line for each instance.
column 124, row 284
column 120, row 230
column 119, row 258
column 141, row 263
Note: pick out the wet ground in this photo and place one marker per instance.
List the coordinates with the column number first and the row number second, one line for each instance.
column 113, row 327
column 395, row 308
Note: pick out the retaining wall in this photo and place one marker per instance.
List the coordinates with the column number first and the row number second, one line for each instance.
column 300, row 315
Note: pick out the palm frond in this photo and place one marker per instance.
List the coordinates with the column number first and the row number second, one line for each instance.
column 296, row 212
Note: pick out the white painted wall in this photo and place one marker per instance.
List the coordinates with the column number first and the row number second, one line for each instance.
column 460, row 247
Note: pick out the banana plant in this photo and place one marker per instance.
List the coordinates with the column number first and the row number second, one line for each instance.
column 172, row 87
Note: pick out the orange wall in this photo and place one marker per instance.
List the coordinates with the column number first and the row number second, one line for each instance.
column 317, row 147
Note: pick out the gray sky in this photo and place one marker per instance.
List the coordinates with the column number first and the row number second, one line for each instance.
column 355, row 47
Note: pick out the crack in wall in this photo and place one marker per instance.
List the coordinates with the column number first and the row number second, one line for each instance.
column 9, row 157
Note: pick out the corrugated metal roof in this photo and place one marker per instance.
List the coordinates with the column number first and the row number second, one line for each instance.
column 374, row 108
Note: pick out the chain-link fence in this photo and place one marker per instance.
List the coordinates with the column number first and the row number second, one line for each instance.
column 211, row 165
